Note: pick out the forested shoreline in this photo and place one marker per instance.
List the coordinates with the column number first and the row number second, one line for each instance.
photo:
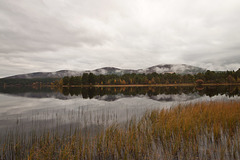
column 209, row 77
column 89, row 79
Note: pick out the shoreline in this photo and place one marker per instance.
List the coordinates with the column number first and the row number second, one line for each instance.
column 154, row 85
column 131, row 85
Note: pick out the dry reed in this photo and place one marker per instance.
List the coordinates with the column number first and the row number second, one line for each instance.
column 205, row 130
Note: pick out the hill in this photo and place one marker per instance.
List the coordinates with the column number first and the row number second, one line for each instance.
column 166, row 68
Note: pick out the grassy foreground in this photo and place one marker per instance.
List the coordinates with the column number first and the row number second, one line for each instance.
column 206, row 130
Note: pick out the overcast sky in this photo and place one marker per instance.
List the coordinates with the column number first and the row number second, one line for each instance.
column 50, row 35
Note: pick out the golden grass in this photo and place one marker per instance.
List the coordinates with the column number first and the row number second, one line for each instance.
column 205, row 130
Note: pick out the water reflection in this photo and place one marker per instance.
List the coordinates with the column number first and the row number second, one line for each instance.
column 210, row 91
column 40, row 108
column 112, row 94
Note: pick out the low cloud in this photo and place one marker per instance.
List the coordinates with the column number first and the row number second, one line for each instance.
column 75, row 34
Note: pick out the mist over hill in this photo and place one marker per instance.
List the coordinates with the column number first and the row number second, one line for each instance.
column 165, row 68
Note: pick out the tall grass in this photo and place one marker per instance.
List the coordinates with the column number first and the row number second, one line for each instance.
column 205, row 130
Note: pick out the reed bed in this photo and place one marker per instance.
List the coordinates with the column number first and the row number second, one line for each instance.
column 204, row 130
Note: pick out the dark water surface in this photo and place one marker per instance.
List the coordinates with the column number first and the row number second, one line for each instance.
column 46, row 108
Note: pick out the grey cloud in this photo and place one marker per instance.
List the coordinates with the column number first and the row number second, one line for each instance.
column 76, row 34
column 29, row 26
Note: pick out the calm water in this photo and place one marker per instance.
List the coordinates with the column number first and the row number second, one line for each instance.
column 47, row 108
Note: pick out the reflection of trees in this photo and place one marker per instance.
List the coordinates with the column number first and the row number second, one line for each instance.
column 229, row 91
column 200, row 88
column 92, row 92
column 84, row 92
column 152, row 91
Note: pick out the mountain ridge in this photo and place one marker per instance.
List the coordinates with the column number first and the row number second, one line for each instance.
column 161, row 68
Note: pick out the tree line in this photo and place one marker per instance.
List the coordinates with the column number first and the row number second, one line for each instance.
column 27, row 82
column 153, row 78
column 129, row 79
